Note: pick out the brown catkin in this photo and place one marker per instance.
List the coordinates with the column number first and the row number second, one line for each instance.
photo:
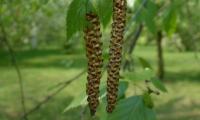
column 118, row 26
column 95, row 61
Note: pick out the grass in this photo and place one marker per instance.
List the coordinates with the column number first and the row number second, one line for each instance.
column 42, row 69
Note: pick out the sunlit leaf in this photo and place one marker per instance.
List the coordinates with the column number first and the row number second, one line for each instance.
column 81, row 100
column 142, row 75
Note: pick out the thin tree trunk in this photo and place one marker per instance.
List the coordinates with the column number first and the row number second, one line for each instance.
column 161, row 71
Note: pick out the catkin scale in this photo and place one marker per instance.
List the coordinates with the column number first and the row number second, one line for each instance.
column 118, row 26
column 94, row 54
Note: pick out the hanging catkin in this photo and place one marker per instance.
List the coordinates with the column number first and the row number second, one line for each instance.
column 95, row 61
column 118, row 25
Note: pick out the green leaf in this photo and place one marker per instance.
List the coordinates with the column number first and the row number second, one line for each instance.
column 170, row 20
column 81, row 100
column 149, row 22
column 159, row 85
column 144, row 63
column 104, row 11
column 152, row 8
column 132, row 108
column 147, row 16
column 123, row 86
column 149, row 73
column 145, row 74
column 148, row 100
column 76, row 17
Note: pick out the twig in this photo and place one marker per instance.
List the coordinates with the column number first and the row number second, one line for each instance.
column 14, row 62
column 50, row 96
column 161, row 69
column 133, row 18
column 134, row 40
column 61, row 83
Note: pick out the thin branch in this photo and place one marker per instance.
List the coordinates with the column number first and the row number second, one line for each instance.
column 61, row 86
column 135, row 16
column 14, row 62
column 134, row 40
column 62, row 83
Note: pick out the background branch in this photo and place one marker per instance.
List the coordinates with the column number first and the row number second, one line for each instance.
column 60, row 86
column 137, row 13
column 14, row 62
column 133, row 40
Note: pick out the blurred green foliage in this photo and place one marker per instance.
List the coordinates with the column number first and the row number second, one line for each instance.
column 38, row 23
column 34, row 23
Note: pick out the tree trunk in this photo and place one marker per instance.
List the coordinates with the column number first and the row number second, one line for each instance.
column 161, row 71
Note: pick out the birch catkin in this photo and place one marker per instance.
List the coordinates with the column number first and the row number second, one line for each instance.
column 95, row 61
column 118, row 26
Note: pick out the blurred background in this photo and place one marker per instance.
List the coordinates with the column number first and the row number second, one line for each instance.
column 35, row 54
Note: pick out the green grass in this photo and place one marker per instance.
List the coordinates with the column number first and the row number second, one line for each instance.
column 42, row 69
